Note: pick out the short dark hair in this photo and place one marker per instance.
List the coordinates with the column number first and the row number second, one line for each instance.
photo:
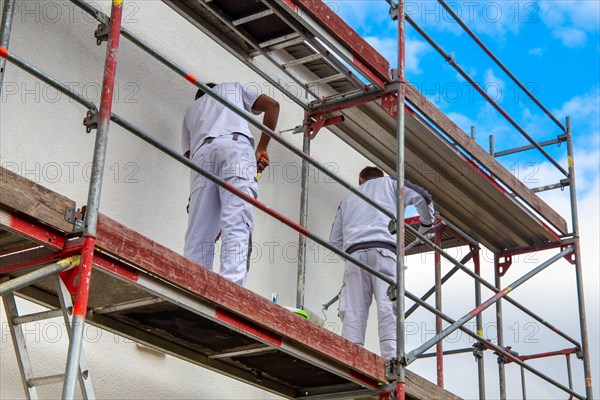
column 369, row 173
column 201, row 92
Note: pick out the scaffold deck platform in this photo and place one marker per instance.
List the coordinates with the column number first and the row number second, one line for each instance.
column 144, row 291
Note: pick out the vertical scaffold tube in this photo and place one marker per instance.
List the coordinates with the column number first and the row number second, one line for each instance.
column 479, row 323
column 439, row 347
column 8, row 12
column 93, row 203
column 400, row 289
column 303, row 223
column 578, row 271
column 500, row 331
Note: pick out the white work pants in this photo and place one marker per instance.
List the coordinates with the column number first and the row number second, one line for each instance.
column 357, row 293
column 213, row 208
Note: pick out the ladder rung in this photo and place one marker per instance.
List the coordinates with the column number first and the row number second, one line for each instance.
column 128, row 305
column 39, row 316
column 279, row 45
column 45, row 380
column 287, row 43
column 302, row 60
column 252, row 17
column 280, row 39
column 327, row 79
column 241, row 352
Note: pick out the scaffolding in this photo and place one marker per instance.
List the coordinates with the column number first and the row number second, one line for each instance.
column 348, row 88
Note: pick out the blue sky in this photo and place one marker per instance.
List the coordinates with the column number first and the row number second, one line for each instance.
column 554, row 48
column 551, row 46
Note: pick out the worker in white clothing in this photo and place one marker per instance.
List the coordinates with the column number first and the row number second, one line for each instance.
column 219, row 141
column 362, row 231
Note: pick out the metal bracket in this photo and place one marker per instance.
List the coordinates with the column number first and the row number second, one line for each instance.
column 478, row 349
column 389, row 102
column 502, row 358
column 569, row 257
column 258, row 375
column 393, row 10
column 315, row 123
column 391, row 369
column 75, row 217
column 101, row 34
column 91, row 120
column 503, row 266
column 561, row 138
column 391, row 292
column 393, row 226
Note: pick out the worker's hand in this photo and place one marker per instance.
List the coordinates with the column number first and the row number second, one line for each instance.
column 262, row 159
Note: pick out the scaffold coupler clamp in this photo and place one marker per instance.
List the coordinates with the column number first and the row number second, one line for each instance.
column 391, row 292
column 391, row 369
column 393, row 226
column 101, row 34
column 579, row 354
column 478, row 349
column 502, row 359
column 91, row 120
column 393, row 9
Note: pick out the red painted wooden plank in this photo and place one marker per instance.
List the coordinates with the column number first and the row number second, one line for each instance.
column 121, row 241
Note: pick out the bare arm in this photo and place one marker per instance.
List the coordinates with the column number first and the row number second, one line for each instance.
column 270, row 107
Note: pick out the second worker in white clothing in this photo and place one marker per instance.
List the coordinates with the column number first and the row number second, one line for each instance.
column 362, row 231
column 219, row 141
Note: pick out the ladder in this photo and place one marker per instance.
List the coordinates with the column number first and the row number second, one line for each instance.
column 293, row 43
column 16, row 322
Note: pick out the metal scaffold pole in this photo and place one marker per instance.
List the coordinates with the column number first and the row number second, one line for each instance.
column 578, row 271
column 93, row 203
column 479, row 325
column 439, row 347
column 400, row 289
column 303, row 222
column 7, row 19
column 499, row 331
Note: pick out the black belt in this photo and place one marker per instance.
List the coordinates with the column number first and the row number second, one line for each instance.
column 234, row 136
column 371, row 245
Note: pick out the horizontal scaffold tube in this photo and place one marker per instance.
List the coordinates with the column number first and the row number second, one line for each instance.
column 39, row 274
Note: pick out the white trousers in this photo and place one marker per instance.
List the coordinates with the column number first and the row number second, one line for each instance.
column 213, row 209
column 357, row 294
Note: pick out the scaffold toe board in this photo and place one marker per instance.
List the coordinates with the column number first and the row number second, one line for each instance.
column 307, row 43
column 144, row 291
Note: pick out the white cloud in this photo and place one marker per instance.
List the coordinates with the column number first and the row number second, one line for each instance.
column 579, row 14
column 538, row 51
column 570, row 37
column 413, row 51
column 586, row 107
column 571, row 21
column 388, row 47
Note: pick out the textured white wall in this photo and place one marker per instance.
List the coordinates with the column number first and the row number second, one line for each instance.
column 42, row 138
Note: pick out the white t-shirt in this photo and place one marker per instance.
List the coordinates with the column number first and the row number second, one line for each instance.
column 358, row 222
column 206, row 117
